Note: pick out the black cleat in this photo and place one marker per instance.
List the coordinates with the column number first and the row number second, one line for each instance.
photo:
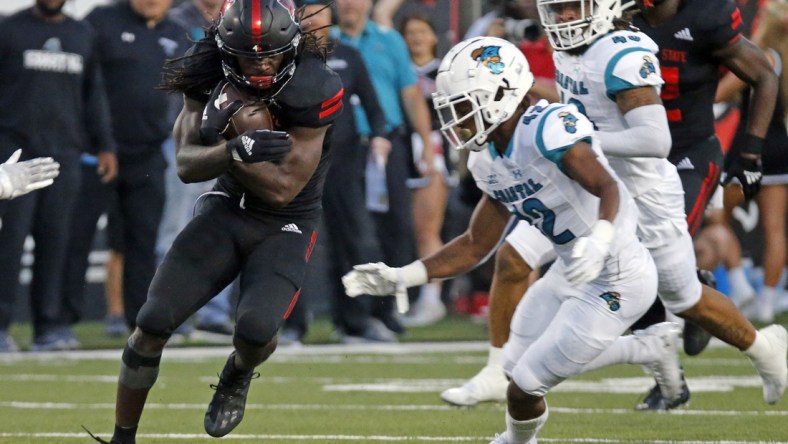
column 655, row 402
column 696, row 338
column 99, row 440
column 226, row 409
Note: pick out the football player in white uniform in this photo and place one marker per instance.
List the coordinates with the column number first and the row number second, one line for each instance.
column 543, row 164
column 18, row 178
column 613, row 77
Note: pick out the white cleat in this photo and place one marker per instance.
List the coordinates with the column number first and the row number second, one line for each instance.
column 489, row 384
column 667, row 368
column 500, row 439
column 774, row 371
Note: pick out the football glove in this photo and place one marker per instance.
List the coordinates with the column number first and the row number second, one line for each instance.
column 748, row 171
column 589, row 254
column 21, row 178
column 215, row 119
column 260, row 146
column 379, row 279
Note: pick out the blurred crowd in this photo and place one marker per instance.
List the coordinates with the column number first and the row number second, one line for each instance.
column 86, row 93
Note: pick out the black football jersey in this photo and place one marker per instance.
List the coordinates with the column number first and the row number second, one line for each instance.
column 312, row 98
column 691, row 73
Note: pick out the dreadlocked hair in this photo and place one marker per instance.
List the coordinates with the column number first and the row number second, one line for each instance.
column 196, row 72
column 310, row 41
column 624, row 23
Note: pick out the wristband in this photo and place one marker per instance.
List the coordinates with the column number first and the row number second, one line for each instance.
column 414, row 274
column 752, row 145
column 603, row 230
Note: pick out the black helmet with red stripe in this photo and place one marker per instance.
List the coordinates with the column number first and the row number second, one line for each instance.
column 258, row 29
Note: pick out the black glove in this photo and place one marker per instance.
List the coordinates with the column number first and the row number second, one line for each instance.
column 747, row 167
column 215, row 120
column 260, row 146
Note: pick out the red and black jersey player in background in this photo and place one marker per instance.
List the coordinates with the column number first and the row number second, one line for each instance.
column 259, row 222
column 696, row 38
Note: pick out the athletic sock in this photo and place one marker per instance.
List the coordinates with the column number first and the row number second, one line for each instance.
column 626, row 350
column 495, row 357
column 521, row 432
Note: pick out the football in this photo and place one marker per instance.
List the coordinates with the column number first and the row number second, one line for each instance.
column 253, row 114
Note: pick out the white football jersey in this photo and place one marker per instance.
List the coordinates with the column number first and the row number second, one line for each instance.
column 615, row 62
column 529, row 180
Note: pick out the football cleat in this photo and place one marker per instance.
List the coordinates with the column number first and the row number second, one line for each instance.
column 774, row 370
column 99, row 440
column 500, row 439
column 227, row 407
column 490, row 384
column 666, row 369
column 655, row 402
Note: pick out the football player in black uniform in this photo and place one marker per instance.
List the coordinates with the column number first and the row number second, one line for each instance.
column 696, row 38
column 260, row 219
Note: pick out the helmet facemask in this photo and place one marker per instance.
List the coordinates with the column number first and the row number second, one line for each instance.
column 256, row 30
column 594, row 19
column 484, row 79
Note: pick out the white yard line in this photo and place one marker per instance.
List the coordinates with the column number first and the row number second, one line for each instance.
column 191, row 436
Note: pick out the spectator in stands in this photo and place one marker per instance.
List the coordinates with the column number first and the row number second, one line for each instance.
column 386, row 57
column 136, row 37
column 430, row 192
column 348, row 224
column 52, row 103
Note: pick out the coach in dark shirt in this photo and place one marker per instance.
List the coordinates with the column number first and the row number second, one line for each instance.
column 52, row 104
column 136, row 37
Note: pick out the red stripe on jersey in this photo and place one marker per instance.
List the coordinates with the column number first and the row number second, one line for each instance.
column 735, row 19
column 706, row 191
column 674, row 115
column 311, row 245
column 327, row 112
column 332, row 101
column 257, row 20
column 292, row 304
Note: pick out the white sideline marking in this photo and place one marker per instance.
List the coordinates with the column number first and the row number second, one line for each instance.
column 209, row 353
column 355, row 407
column 185, row 436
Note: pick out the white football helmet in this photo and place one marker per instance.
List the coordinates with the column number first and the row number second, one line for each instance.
column 490, row 77
column 594, row 19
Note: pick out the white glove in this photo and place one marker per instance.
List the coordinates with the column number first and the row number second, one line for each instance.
column 589, row 254
column 21, row 178
column 379, row 279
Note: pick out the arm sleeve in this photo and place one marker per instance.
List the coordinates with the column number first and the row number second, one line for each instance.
column 369, row 99
column 647, row 135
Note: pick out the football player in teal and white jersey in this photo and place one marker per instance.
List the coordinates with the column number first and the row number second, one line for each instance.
column 542, row 164
column 610, row 71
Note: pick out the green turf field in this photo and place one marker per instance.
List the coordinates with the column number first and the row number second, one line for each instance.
column 335, row 394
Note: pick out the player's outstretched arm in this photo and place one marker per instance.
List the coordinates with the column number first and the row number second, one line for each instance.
column 590, row 250
column 18, row 178
column 460, row 255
